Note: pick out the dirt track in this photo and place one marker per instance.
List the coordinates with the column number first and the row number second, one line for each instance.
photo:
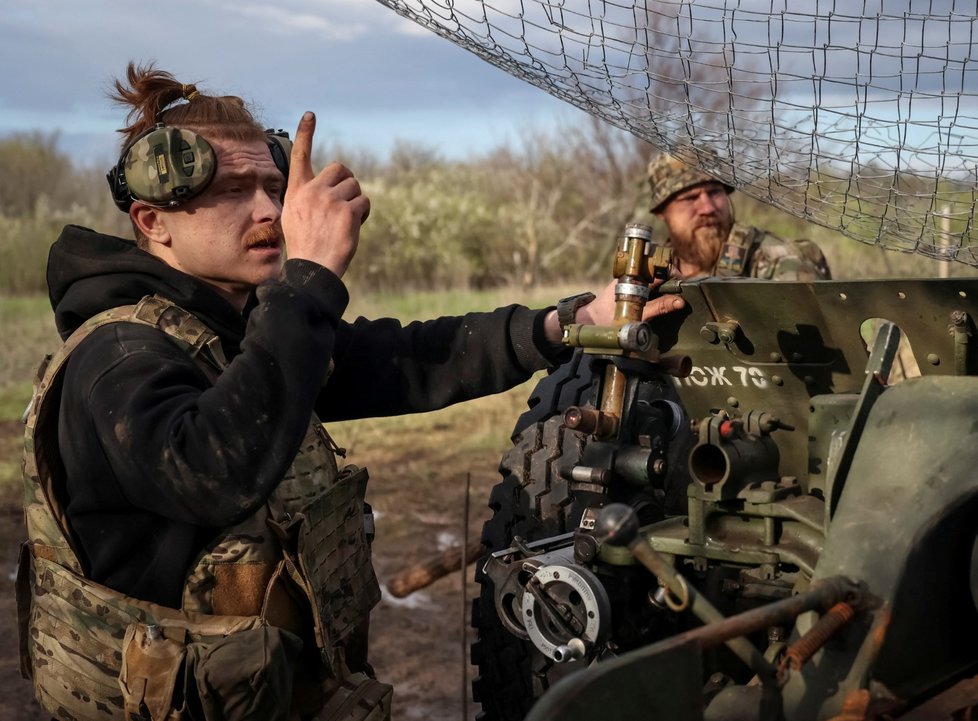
column 416, row 642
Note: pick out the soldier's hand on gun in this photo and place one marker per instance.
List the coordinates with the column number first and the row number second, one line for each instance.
column 601, row 310
column 323, row 213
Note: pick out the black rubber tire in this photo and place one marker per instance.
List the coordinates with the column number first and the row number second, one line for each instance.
column 532, row 502
column 570, row 384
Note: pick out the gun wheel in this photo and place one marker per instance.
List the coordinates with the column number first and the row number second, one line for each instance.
column 532, row 502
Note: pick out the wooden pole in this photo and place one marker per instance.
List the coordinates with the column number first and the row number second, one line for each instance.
column 427, row 572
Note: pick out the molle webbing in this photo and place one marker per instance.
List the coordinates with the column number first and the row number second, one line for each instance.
column 71, row 628
column 735, row 256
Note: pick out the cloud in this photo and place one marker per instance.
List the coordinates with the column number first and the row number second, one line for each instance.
column 369, row 74
column 337, row 20
column 284, row 22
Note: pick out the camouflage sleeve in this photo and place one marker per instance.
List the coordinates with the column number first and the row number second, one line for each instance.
column 779, row 259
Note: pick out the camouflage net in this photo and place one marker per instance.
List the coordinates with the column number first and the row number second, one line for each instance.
column 858, row 116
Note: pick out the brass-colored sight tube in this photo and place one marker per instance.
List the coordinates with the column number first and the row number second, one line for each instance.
column 634, row 268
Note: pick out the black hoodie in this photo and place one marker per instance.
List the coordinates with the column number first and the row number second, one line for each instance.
column 159, row 460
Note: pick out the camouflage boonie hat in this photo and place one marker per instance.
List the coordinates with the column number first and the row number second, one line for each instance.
column 668, row 175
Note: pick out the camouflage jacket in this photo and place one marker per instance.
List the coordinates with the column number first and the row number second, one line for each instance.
column 754, row 253
column 299, row 568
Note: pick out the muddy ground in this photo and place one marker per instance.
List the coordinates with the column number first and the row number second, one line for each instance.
column 416, row 642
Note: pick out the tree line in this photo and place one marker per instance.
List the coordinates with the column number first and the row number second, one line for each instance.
column 545, row 211
column 535, row 214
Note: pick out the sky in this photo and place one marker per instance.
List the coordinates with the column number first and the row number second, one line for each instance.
column 372, row 77
column 875, row 89
column 375, row 78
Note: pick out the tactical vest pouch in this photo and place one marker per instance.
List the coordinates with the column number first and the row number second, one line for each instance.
column 246, row 675
column 328, row 541
column 76, row 644
column 737, row 251
column 359, row 698
column 152, row 661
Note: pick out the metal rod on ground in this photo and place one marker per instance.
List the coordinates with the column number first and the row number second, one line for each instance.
column 464, row 565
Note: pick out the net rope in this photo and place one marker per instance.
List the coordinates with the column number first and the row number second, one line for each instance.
column 861, row 117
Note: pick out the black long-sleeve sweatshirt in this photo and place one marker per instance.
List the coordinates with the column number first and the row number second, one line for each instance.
column 159, row 460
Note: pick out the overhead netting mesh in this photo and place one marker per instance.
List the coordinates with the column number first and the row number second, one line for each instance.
column 859, row 115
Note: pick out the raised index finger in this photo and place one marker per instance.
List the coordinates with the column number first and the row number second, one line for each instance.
column 300, row 163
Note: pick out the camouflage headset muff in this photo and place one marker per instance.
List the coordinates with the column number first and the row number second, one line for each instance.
column 165, row 167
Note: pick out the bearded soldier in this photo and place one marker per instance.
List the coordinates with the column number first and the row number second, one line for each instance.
column 707, row 241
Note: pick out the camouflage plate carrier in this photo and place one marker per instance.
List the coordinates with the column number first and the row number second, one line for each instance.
column 754, row 253
column 299, row 568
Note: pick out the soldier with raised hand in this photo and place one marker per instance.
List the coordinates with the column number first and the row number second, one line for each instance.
column 195, row 551
column 706, row 239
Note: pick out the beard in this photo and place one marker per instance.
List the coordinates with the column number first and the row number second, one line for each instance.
column 703, row 244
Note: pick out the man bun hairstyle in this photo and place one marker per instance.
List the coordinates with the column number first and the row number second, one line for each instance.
column 154, row 96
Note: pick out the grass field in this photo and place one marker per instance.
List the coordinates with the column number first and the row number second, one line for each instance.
column 26, row 334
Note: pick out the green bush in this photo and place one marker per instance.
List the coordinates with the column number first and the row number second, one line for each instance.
column 539, row 214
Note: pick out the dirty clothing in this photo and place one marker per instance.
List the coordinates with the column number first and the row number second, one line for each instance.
column 199, row 490
column 293, row 579
column 159, row 459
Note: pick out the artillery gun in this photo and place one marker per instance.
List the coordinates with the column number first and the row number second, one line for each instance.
column 737, row 513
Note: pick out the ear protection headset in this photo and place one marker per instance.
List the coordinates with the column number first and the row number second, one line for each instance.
column 165, row 167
